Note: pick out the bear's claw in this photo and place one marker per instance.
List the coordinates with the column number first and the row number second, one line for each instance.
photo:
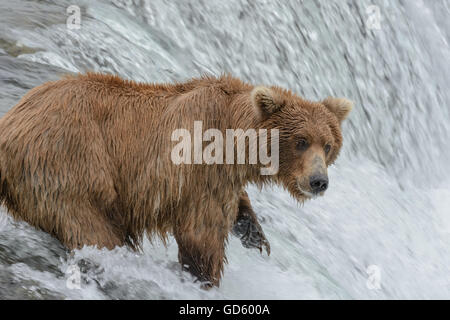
column 248, row 229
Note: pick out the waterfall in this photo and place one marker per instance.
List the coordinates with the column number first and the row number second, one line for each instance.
column 383, row 228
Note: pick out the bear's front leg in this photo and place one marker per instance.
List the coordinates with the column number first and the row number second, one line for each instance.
column 201, row 251
column 247, row 227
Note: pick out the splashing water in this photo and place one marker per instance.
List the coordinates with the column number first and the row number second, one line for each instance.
column 383, row 228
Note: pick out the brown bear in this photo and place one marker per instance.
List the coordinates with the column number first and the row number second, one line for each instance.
column 89, row 159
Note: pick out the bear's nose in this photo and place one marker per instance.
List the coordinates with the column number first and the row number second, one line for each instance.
column 318, row 183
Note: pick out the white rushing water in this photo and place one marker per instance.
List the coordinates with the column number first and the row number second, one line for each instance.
column 383, row 228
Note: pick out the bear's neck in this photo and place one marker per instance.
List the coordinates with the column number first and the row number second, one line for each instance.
column 243, row 117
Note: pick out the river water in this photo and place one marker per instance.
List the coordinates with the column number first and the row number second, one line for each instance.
column 383, row 228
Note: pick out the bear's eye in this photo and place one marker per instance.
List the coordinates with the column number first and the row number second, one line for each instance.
column 302, row 145
column 327, row 149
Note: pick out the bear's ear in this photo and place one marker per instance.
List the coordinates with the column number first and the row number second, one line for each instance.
column 266, row 101
column 341, row 107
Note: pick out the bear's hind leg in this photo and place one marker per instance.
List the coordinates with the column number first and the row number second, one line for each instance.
column 80, row 223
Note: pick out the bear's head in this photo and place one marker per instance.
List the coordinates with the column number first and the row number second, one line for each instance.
column 309, row 137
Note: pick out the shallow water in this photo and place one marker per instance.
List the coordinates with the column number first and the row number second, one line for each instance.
column 388, row 205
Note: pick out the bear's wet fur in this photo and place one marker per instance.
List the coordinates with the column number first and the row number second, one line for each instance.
column 87, row 159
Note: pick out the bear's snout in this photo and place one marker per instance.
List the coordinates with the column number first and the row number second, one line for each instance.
column 318, row 183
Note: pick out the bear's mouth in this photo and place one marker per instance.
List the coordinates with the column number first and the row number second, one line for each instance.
column 306, row 193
